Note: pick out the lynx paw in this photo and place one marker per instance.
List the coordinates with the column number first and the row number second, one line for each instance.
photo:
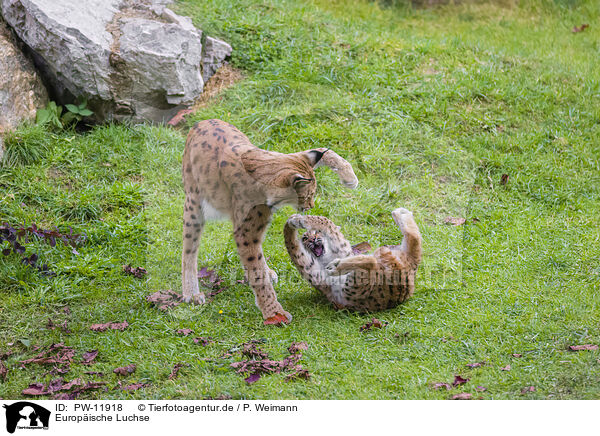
column 332, row 266
column 195, row 299
column 400, row 214
column 296, row 221
column 279, row 319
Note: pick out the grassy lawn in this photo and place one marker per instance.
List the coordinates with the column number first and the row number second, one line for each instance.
column 432, row 107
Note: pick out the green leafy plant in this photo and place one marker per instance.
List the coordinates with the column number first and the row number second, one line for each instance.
column 53, row 116
column 50, row 116
column 76, row 113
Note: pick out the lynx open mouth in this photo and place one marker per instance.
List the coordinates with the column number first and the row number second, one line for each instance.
column 317, row 249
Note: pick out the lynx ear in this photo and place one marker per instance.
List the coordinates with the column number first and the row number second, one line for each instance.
column 338, row 164
column 314, row 156
column 298, row 180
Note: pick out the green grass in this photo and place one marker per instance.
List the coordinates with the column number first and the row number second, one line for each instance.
column 431, row 106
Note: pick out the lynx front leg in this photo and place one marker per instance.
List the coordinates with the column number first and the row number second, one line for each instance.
column 411, row 241
column 193, row 224
column 249, row 232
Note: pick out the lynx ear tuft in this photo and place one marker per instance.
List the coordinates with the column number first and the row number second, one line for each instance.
column 314, row 156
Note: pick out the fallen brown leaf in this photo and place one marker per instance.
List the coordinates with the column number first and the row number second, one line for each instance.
column 211, row 280
column 586, row 347
column 298, row 374
column 125, row 370
column 185, row 332
column 88, row 357
column 209, row 275
column 3, row 371
column 73, row 395
column 260, row 364
column 506, row 368
column 475, row 365
column 527, row 389
column 458, row 380
column 35, row 389
column 165, row 300
column 440, row 385
column 251, row 350
column 109, row 325
column 58, row 385
column 203, row 341
column 71, row 384
column 55, row 354
column 296, row 347
column 175, row 371
column 504, row 179
column 580, row 28
column 516, row 355
column 252, row 378
column 179, row 117
column 462, row 396
column 137, row 272
column 455, row 221
column 374, row 324
column 131, row 387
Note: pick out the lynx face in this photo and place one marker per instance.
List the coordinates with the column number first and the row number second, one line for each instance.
column 313, row 242
column 306, row 191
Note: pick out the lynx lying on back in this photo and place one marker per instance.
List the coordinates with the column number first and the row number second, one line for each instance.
column 224, row 175
column 362, row 282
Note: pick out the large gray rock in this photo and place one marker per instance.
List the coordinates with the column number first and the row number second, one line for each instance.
column 159, row 68
column 131, row 59
column 215, row 52
column 21, row 89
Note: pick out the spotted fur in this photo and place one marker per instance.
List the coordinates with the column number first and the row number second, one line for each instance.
column 374, row 282
column 225, row 176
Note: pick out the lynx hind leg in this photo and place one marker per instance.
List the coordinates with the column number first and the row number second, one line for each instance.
column 360, row 262
column 411, row 242
column 248, row 233
column 193, row 224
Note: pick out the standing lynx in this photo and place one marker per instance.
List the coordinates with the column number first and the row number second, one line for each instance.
column 225, row 176
column 359, row 282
